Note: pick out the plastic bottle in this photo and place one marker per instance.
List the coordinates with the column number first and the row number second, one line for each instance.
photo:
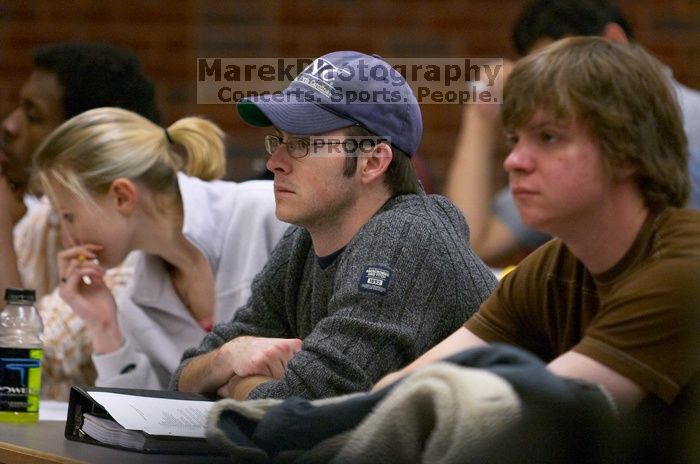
column 20, row 357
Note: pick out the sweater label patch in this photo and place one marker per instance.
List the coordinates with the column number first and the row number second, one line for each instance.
column 375, row 279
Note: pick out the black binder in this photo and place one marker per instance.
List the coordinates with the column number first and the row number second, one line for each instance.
column 80, row 402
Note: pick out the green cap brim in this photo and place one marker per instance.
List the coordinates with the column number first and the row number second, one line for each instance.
column 251, row 114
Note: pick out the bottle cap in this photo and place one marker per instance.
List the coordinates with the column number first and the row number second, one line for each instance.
column 15, row 295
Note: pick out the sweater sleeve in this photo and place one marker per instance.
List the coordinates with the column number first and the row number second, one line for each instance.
column 405, row 282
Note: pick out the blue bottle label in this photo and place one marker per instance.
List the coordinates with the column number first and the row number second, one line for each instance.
column 20, row 379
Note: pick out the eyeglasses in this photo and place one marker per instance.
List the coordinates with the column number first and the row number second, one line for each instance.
column 296, row 147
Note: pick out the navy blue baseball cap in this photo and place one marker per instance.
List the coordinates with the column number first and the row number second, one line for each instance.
column 338, row 90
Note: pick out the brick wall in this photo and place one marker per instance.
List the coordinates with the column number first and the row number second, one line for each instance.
column 169, row 35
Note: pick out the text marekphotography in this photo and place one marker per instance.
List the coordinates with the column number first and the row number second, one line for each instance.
column 433, row 80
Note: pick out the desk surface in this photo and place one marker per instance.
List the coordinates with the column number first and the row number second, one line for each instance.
column 44, row 443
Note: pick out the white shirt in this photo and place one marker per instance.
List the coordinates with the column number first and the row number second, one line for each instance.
column 234, row 226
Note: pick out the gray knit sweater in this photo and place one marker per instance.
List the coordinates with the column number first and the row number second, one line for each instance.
column 406, row 281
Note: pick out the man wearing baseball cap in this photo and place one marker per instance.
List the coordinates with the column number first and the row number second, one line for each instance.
column 373, row 271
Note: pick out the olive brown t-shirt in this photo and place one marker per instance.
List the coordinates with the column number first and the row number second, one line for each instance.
column 641, row 318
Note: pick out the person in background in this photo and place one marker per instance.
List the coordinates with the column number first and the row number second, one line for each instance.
column 599, row 159
column 374, row 271
column 497, row 233
column 113, row 178
column 68, row 78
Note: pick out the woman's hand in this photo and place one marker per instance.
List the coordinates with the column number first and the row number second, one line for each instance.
column 83, row 288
